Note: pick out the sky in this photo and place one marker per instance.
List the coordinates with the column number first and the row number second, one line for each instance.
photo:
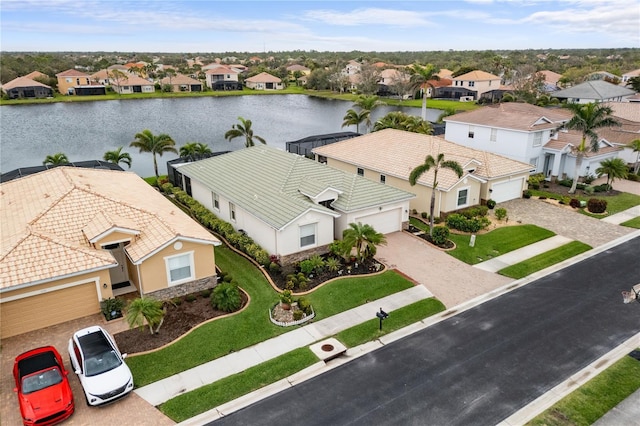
column 330, row 25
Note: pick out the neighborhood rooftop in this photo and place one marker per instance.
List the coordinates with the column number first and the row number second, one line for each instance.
column 514, row 115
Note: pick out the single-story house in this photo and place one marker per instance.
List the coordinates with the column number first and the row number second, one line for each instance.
column 594, row 91
column 264, row 81
column 182, row 83
column 23, row 87
column 72, row 237
column 132, row 84
column 291, row 205
column 389, row 156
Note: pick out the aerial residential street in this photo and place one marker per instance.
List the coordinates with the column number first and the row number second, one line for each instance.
column 480, row 366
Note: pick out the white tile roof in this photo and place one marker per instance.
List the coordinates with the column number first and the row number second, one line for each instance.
column 513, row 115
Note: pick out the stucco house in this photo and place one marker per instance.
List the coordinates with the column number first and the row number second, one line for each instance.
column 594, row 91
column 478, row 81
column 223, row 77
column 72, row 237
column 182, row 83
column 390, row 155
column 289, row 204
column 74, row 82
column 526, row 133
column 132, row 84
column 23, row 87
column 264, row 81
column 629, row 75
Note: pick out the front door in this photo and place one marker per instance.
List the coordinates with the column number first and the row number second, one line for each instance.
column 118, row 274
column 547, row 164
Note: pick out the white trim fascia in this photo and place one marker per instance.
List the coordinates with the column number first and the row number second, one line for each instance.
column 509, row 175
column 173, row 240
column 113, row 242
column 329, row 213
column 113, row 229
column 96, row 280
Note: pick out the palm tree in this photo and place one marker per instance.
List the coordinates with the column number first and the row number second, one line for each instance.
column 364, row 238
column 243, row 129
column 156, row 145
column 194, row 149
column 354, row 117
column 435, row 164
column 421, row 77
column 635, row 145
column 614, row 168
column 56, row 159
column 447, row 112
column 117, row 157
column 586, row 119
column 367, row 104
column 401, row 121
column 145, row 308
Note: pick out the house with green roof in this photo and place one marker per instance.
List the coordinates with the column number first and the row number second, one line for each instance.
column 289, row 204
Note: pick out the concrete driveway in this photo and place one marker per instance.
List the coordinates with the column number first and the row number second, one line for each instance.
column 131, row 410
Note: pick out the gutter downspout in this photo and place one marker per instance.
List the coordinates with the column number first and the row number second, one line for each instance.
column 139, row 279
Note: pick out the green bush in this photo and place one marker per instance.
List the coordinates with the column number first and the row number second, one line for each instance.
column 526, row 194
column 304, row 305
column 306, row 266
column 297, row 315
column 167, row 188
column 440, row 235
column 501, row 213
column 190, row 297
column 286, row 297
column 632, row 177
column 601, row 188
column 461, row 223
column 226, row 297
column 491, row 203
column 424, row 215
column 111, row 308
column 332, row 264
column 205, row 293
column 274, row 267
column 589, row 190
column 564, row 200
column 596, row 205
column 176, row 301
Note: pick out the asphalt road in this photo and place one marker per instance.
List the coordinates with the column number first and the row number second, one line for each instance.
column 480, row 366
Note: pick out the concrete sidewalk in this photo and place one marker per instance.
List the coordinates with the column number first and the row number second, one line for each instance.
column 625, row 413
column 524, row 253
column 623, row 216
column 163, row 390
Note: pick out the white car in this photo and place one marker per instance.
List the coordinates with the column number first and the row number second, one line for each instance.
column 96, row 360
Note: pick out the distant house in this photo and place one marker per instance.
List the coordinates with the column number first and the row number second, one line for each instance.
column 72, row 237
column 103, row 76
column 222, row 77
column 182, row 83
column 292, row 69
column 23, row 87
column 297, row 206
column 264, row 81
column 594, row 91
column 478, row 81
column 389, row 80
column 551, row 80
column 132, row 84
column 390, row 155
column 628, row 75
column 74, row 82
column 36, row 74
column 352, row 68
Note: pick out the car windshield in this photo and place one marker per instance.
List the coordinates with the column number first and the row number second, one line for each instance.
column 40, row 380
column 101, row 363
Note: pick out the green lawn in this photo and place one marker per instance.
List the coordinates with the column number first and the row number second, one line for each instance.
column 544, row 260
column 615, row 203
column 595, row 398
column 633, row 223
column 212, row 395
column 252, row 325
column 496, row 243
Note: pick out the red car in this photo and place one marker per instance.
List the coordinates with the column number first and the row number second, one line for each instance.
column 43, row 387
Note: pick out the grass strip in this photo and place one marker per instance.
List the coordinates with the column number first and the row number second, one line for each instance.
column 544, row 260
column 633, row 223
column 595, row 398
column 496, row 243
column 209, row 396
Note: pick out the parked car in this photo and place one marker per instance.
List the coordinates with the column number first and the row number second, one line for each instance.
column 100, row 366
column 42, row 386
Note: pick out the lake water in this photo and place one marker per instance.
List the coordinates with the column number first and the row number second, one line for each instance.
column 86, row 130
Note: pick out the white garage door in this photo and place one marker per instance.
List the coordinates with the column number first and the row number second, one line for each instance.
column 384, row 222
column 506, row 191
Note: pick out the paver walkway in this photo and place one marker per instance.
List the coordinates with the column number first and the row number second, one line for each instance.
column 524, row 253
column 161, row 391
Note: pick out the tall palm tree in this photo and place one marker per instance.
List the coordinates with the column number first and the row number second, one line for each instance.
column 156, row 145
column 243, row 130
column 421, row 76
column 435, row 164
column 56, row 159
column 363, row 238
column 117, row 157
column 194, row 149
column 401, row 121
column 354, row 117
column 587, row 118
column 614, row 168
column 367, row 104
column 145, row 309
column 635, row 145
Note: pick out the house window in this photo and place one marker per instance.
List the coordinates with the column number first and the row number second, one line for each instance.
column 472, row 83
column 471, row 132
column 180, row 268
column 69, row 80
column 463, row 195
column 383, row 178
column 360, row 172
column 534, row 162
column 308, row 235
column 494, row 135
column 232, row 212
column 216, row 201
column 537, row 139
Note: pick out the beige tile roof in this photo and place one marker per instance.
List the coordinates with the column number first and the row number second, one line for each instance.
column 132, row 80
column 264, row 77
column 22, row 82
column 551, row 77
column 36, row 74
column 476, row 75
column 72, row 73
column 221, row 69
column 396, row 152
column 513, row 115
column 573, row 139
column 627, row 110
column 48, row 218
column 180, row 79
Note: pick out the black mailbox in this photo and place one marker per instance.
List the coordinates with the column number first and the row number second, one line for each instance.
column 382, row 315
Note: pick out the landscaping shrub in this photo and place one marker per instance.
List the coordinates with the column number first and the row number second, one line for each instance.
column 589, row 190
column 632, row 177
column 297, row 315
column 501, row 213
column 306, row 266
column 589, row 178
column 414, row 211
column 596, row 205
column 226, row 297
column 205, row 293
column 564, row 200
column 274, row 267
column 190, row 297
column 332, row 264
column 166, row 188
column 424, row 215
column 461, row 223
column 491, row 204
column 575, row 203
column 601, row 188
column 440, row 235
column 569, row 182
column 304, row 305
column 482, row 210
column 176, row 301
column 526, row 194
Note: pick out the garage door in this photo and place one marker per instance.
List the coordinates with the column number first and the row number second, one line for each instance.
column 506, row 191
column 384, row 222
column 35, row 312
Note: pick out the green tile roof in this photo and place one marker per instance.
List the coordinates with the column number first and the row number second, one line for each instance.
column 268, row 183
